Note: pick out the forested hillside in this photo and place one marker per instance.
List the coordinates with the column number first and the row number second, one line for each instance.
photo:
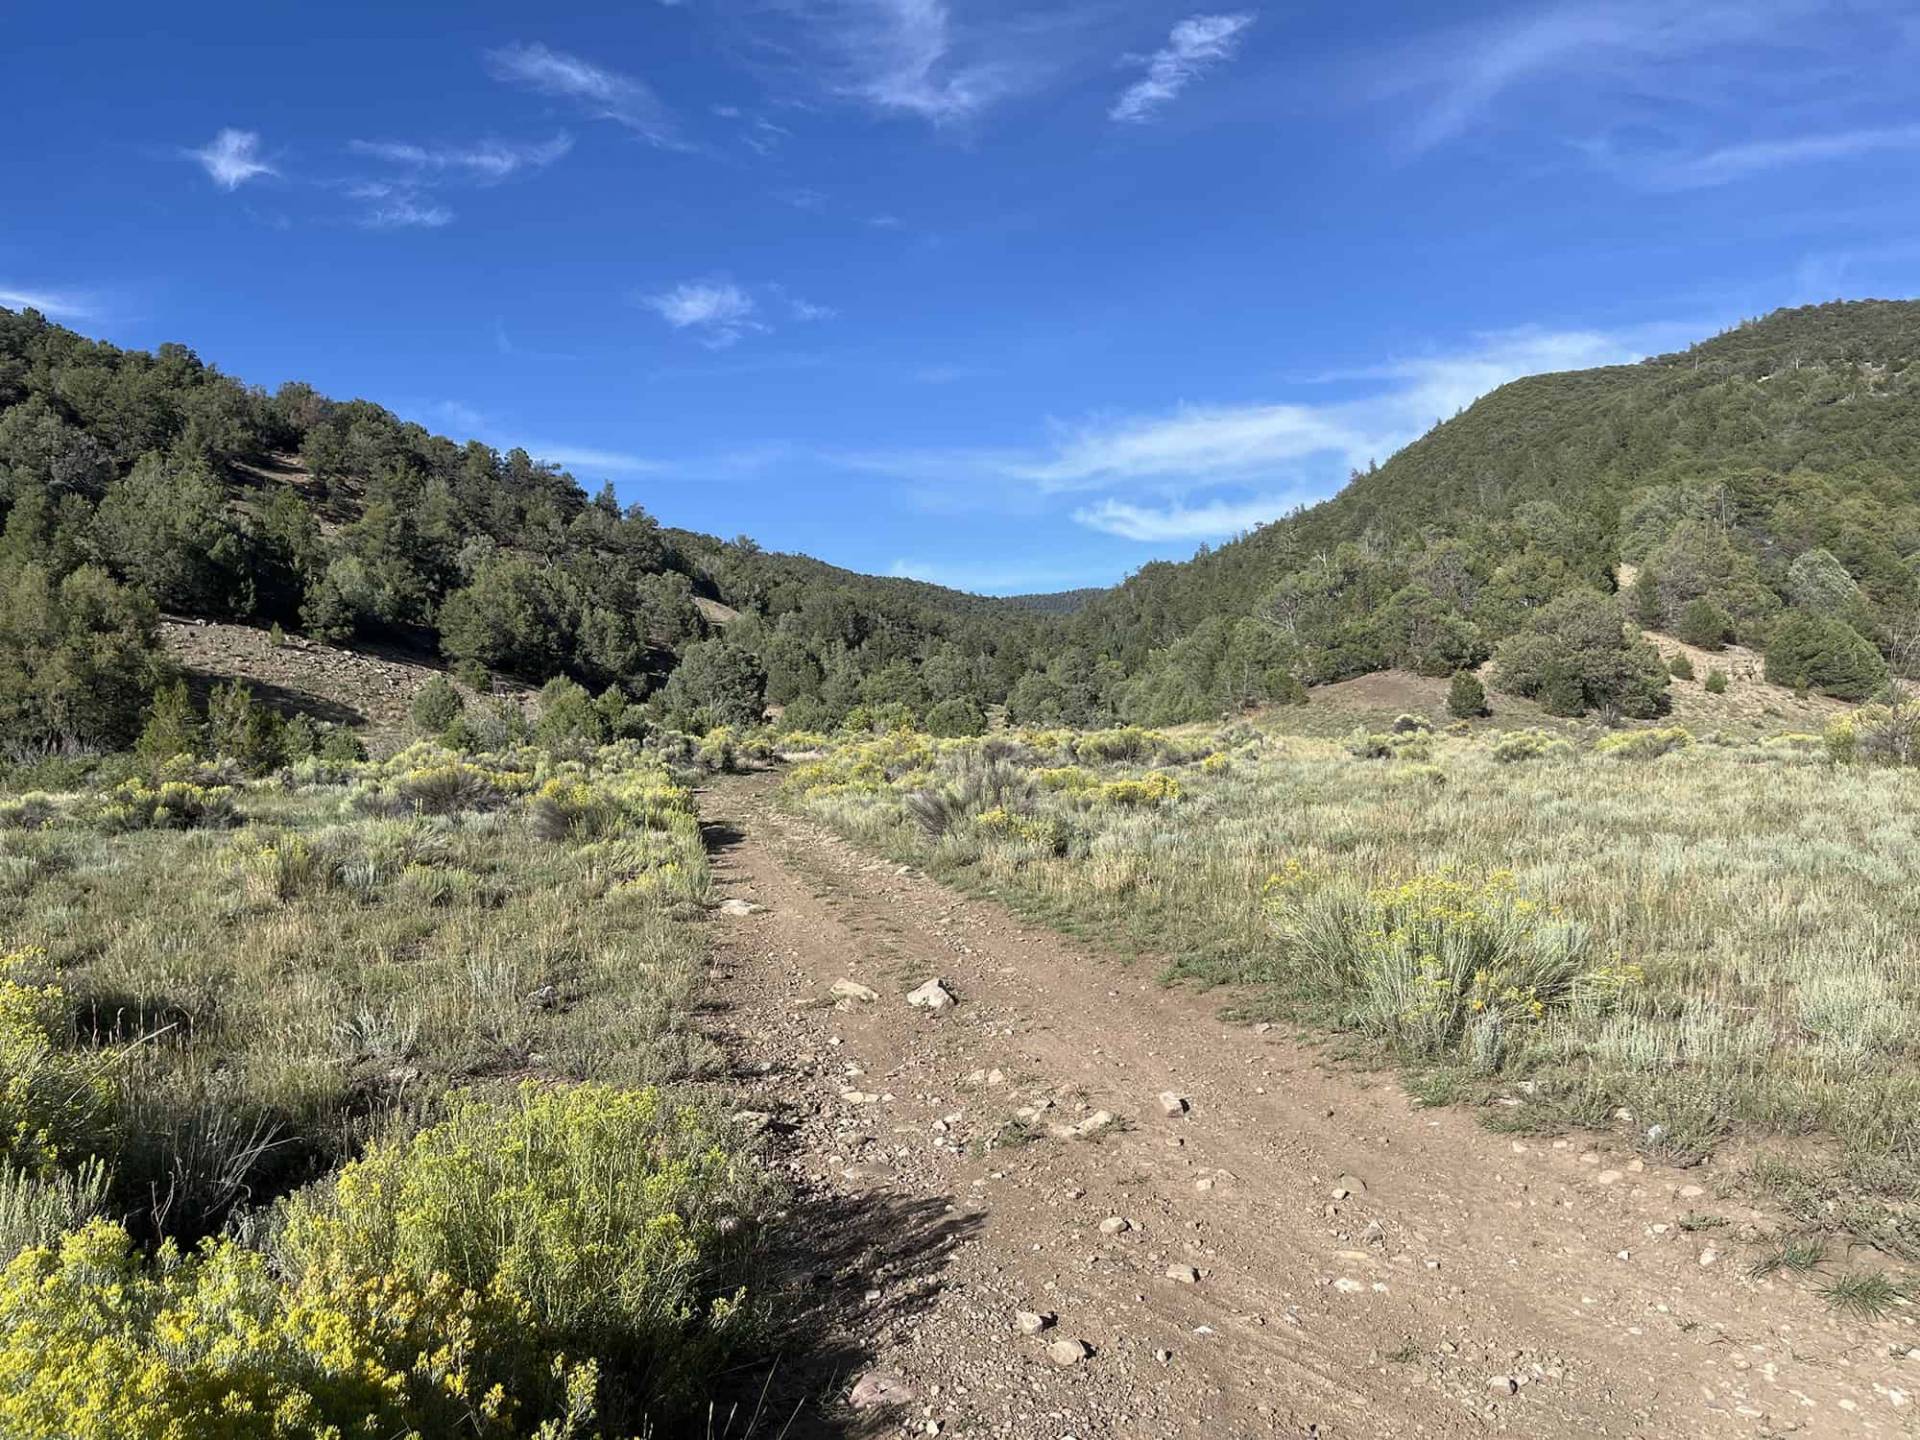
column 131, row 481
column 1766, row 484
column 1764, row 487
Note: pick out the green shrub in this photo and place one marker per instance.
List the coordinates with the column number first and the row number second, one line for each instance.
column 598, row 1222
column 1703, row 623
column 1127, row 743
column 561, row 1263
column 172, row 728
column 1440, row 964
column 1877, row 734
column 1155, row 789
column 1412, row 725
column 1644, row 744
column 1520, row 745
column 53, row 1101
column 169, row 805
column 1823, row 654
column 1716, row 681
column 956, row 718
column 1046, row 833
column 240, row 728
column 1576, row 655
column 436, row 706
column 38, row 1206
column 1412, row 744
column 1680, row 666
column 1466, row 696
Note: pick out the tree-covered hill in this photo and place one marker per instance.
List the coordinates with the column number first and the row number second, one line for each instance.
column 1764, row 486
column 1767, row 477
column 131, row 481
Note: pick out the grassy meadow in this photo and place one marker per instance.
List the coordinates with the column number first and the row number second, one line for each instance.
column 312, row 1086
column 1704, row 946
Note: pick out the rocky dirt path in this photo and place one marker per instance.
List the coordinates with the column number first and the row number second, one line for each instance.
column 1248, row 1245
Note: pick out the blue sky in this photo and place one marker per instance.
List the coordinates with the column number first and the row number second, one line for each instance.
column 1009, row 297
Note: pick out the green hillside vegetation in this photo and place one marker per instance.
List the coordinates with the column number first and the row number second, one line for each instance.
column 311, row 1085
column 1761, row 484
column 156, row 474
column 1772, row 470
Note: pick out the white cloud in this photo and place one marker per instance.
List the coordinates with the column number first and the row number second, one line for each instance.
column 1194, row 45
column 604, row 94
column 904, row 57
column 1207, row 521
column 485, row 160
column 404, row 210
column 718, row 310
column 590, row 459
column 54, row 304
column 1603, row 60
column 1735, row 162
column 1205, row 471
column 232, row 158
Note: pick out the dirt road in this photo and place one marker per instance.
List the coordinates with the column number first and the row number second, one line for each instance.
column 1287, row 1251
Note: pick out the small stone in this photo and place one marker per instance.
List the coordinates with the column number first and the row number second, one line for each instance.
column 1068, row 1352
column 1709, row 1256
column 1115, row 1225
column 1032, row 1322
column 1691, row 1192
column 1609, row 1177
column 1163, row 1356
column 1172, row 1104
column 854, row 990
column 734, row 905
column 1184, row 1274
column 1092, row 1125
column 877, row 1388
column 752, row 1121
column 1503, row 1385
column 931, row 996
column 1374, row 1234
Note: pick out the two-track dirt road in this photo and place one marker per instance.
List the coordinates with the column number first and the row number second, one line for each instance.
column 1298, row 1253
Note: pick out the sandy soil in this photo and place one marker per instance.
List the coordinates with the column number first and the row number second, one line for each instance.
column 1358, row 1266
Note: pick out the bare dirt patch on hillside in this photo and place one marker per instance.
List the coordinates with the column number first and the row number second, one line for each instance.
column 369, row 688
column 1249, row 1243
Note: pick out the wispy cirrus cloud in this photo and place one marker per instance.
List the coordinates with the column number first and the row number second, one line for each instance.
column 231, row 158
column 393, row 208
column 1666, row 96
column 914, row 58
column 1178, row 521
column 1729, row 163
column 1203, row 471
column 1456, row 78
column 718, row 312
column 596, row 90
column 1194, row 46
column 485, row 161
column 54, row 304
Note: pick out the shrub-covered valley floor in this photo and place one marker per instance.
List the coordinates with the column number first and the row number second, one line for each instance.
column 1519, row 1082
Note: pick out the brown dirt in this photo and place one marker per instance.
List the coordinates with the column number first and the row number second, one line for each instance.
column 370, row 688
column 1457, row 1261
